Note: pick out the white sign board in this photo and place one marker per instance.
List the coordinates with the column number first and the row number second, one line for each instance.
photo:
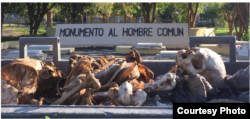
column 243, row 51
column 171, row 35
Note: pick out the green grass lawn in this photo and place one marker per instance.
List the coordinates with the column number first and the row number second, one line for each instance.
column 224, row 31
column 7, row 26
column 24, row 28
column 26, row 31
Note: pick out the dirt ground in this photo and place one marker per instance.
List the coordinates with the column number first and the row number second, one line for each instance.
column 9, row 32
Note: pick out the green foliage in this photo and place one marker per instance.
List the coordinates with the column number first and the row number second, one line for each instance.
column 26, row 31
column 102, row 8
column 71, row 10
column 170, row 13
column 226, row 24
column 214, row 11
column 17, row 8
column 245, row 36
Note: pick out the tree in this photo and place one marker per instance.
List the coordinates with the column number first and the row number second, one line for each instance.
column 130, row 10
column 243, row 20
column 170, row 13
column 73, row 10
column 49, row 19
column 4, row 8
column 192, row 13
column 213, row 11
column 230, row 16
column 18, row 8
column 104, row 9
column 36, row 12
column 147, row 10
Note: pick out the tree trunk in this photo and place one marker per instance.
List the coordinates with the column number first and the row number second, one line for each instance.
column 82, row 19
column 49, row 19
column 108, row 18
column 125, row 18
column 146, row 8
column 230, row 16
column 31, row 26
column 188, row 14
column 68, row 19
column 2, row 18
column 85, row 18
column 243, row 11
column 103, row 18
column 153, row 16
column 148, row 13
column 73, row 19
column 36, row 19
column 231, row 28
column 18, row 21
column 191, row 15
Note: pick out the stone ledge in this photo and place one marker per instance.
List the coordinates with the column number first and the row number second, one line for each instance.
column 78, row 111
column 64, row 51
column 216, row 48
column 123, row 49
column 127, row 49
column 10, row 45
column 14, row 44
column 5, row 45
column 166, row 55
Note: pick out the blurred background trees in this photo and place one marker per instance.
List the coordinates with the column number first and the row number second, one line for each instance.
column 234, row 16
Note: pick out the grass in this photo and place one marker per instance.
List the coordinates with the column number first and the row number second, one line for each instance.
column 224, row 31
column 26, row 31
column 16, row 38
column 7, row 26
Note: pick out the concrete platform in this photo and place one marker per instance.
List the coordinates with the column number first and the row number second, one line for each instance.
column 40, row 47
column 166, row 55
column 48, row 49
column 13, row 44
column 2, row 46
column 151, row 51
column 34, row 54
column 5, row 45
column 123, row 49
column 145, row 51
column 10, row 45
column 64, row 51
column 220, row 49
column 148, row 46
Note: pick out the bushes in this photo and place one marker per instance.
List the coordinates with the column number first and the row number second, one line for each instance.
column 245, row 36
column 16, row 38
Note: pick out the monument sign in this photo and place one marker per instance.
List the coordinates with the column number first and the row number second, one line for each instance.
column 171, row 35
